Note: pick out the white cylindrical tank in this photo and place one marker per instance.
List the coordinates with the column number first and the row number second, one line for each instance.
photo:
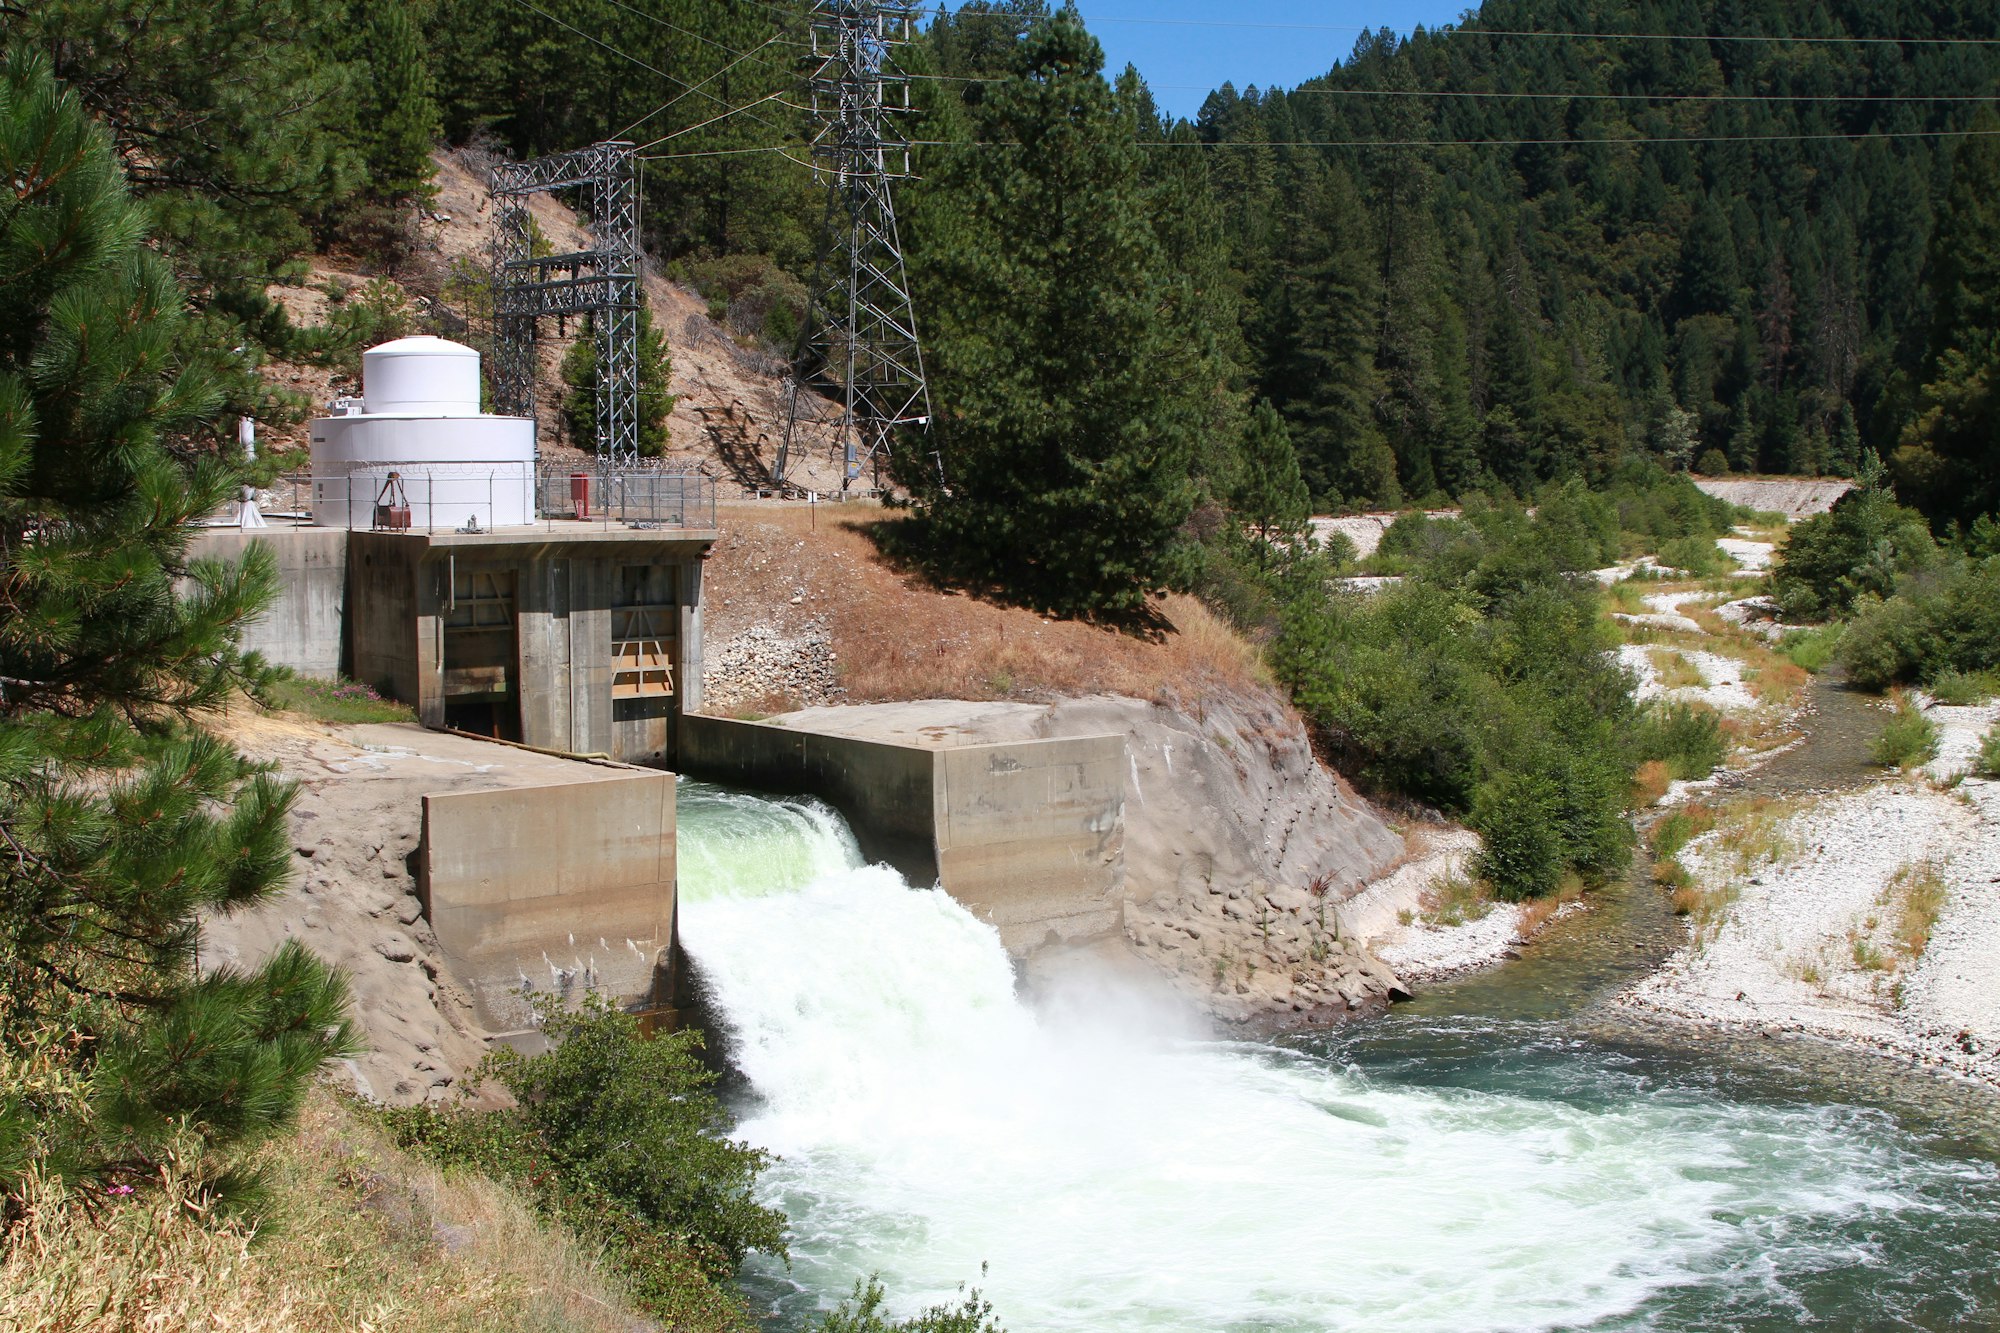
column 420, row 377
column 420, row 423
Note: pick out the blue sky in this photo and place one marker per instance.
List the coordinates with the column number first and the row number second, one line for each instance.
column 1184, row 51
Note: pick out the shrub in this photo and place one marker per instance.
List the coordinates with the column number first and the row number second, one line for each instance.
column 620, row 1139
column 1961, row 689
column 1862, row 547
column 1811, row 649
column 862, row 1313
column 1687, row 737
column 1480, row 687
column 1989, row 754
column 1712, row 463
column 1522, row 858
column 1910, row 739
column 1946, row 622
column 1699, row 556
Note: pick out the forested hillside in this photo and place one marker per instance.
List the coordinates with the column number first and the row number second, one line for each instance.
column 1476, row 259
column 1497, row 253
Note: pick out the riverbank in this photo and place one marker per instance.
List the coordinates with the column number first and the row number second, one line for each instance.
column 1869, row 917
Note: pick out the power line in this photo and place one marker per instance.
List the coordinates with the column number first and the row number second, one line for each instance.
column 627, row 55
column 787, row 150
column 1449, row 30
column 712, row 120
column 1501, row 94
column 678, row 97
column 1853, row 136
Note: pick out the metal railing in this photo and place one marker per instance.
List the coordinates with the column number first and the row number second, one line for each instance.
column 636, row 497
column 468, row 498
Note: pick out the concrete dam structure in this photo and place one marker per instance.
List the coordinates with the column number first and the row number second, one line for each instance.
column 532, row 617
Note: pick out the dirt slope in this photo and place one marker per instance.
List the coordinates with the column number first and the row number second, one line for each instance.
column 728, row 415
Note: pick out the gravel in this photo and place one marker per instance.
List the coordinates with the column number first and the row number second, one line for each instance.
column 1808, row 944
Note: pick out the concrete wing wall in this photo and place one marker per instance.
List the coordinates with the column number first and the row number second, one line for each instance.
column 887, row 792
column 1031, row 835
column 303, row 628
column 558, row 888
column 1028, row 834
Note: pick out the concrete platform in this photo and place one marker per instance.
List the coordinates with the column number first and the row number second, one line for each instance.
column 1025, row 829
column 537, row 873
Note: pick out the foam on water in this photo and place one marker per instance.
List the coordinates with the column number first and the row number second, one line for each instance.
column 929, row 1122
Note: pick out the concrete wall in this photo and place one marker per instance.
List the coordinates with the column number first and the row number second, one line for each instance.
column 568, row 887
column 388, row 648
column 1028, row 834
column 1031, row 835
column 304, row 628
column 887, row 792
column 565, row 589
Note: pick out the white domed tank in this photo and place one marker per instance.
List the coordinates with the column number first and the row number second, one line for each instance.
column 420, row 377
column 419, row 454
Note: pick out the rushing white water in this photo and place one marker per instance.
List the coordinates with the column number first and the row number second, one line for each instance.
column 930, row 1123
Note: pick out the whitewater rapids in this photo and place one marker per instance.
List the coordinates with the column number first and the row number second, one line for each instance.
column 1105, row 1172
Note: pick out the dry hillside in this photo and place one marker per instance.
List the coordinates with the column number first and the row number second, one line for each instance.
column 801, row 609
column 727, row 415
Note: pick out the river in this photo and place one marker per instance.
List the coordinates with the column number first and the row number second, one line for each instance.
column 1505, row 1153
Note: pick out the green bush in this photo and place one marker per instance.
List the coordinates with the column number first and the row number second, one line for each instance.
column 1944, row 622
column 1480, row 686
column 1909, row 740
column 1811, row 649
column 1686, row 737
column 1989, row 754
column 1522, row 858
column 620, row 1139
column 1863, row 547
column 1960, row 689
column 862, row 1313
column 1699, row 556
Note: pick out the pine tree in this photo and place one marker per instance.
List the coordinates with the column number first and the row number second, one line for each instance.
column 656, row 398
column 1063, row 437
column 121, row 821
column 398, row 114
column 1949, row 463
column 1271, row 495
column 1319, row 338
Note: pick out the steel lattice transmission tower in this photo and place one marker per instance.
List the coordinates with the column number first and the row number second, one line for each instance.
column 859, row 342
column 601, row 282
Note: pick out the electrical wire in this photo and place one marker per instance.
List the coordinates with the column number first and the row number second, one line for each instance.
column 693, row 88
column 1853, row 137
column 768, row 97
column 786, row 150
column 627, row 55
column 1449, row 30
column 1538, row 96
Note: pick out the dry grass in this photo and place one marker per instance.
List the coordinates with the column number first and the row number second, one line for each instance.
column 1455, row 900
column 1651, row 782
column 1538, row 912
column 895, row 637
column 359, row 1237
column 1917, row 895
column 1755, row 833
column 1674, row 671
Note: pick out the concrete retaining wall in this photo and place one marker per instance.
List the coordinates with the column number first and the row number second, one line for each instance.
column 1028, row 834
column 562, row 888
column 303, row 629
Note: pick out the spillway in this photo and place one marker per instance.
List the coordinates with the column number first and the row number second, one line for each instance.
column 1108, row 1170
